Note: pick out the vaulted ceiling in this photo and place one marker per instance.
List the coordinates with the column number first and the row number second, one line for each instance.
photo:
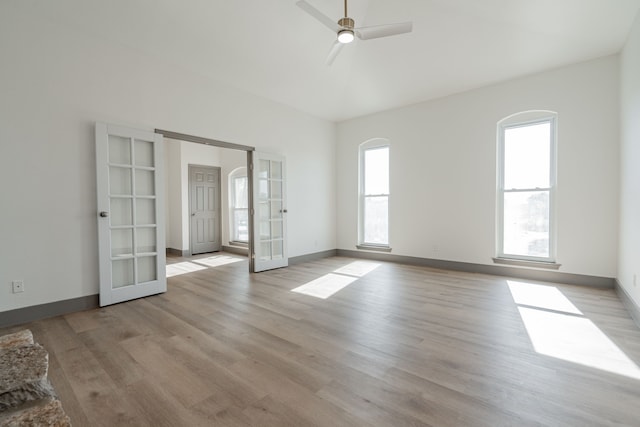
column 273, row 49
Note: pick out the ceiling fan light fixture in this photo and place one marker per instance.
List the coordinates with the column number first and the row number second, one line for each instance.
column 345, row 36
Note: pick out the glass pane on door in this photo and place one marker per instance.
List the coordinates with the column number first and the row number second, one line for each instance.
column 263, row 169
column 145, row 240
column 276, row 170
column 119, row 150
column 122, row 242
column 121, row 212
column 122, row 272
column 265, row 250
column 276, row 230
column 145, row 212
column 147, row 270
column 119, row 181
column 144, row 153
column 145, row 183
column 276, row 249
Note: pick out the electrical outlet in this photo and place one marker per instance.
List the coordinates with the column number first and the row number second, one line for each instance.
column 18, row 286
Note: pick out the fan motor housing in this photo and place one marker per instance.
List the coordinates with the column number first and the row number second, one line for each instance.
column 347, row 23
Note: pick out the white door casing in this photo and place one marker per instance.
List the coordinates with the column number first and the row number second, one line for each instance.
column 270, row 212
column 131, row 224
column 204, row 201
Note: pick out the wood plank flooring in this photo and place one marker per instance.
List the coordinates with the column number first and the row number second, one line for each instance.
column 399, row 346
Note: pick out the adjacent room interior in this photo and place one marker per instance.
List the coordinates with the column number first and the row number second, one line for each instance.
column 458, row 225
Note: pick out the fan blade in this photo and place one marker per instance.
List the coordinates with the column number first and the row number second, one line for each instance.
column 377, row 31
column 335, row 50
column 328, row 22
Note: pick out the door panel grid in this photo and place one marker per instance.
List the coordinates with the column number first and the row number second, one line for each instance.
column 131, row 236
column 270, row 206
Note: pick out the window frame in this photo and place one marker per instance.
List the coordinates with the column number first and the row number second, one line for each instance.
column 528, row 118
column 237, row 173
column 373, row 144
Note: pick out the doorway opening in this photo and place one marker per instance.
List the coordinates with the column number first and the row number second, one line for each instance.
column 188, row 234
column 204, row 209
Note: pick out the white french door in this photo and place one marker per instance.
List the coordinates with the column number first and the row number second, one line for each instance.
column 270, row 212
column 129, row 172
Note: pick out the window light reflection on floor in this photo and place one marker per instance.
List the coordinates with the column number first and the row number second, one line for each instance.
column 217, row 261
column 186, row 267
column 541, row 296
column 327, row 285
column 558, row 329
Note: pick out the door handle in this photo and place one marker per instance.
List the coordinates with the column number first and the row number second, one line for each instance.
column 193, row 214
column 283, row 211
column 104, row 214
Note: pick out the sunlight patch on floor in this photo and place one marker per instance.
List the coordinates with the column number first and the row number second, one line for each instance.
column 183, row 268
column 327, row 285
column 541, row 296
column 357, row 268
column 558, row 329
column 217, row 261
column 199, row 264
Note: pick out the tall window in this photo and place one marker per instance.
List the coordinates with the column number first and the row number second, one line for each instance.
column 238, row 206
column 527, row 181
column 374, row 195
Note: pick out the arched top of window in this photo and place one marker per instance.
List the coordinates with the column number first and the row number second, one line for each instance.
column 527, row 116
column 375, row 142
column 238, row 172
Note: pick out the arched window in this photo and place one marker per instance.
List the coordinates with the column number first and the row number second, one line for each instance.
column 373, row 223
column 238, row 206
column 526, row 186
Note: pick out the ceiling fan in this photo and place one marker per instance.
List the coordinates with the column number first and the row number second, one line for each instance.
column 346, row 30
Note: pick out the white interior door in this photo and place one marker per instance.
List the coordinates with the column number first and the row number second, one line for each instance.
column 129, row 171
column 270, row 217
column 204, row 190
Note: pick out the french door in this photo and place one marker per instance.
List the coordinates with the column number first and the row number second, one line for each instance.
column 129, row 172
column 270, row 212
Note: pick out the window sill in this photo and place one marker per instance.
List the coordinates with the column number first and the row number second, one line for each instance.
column 526, row 263
column 239, row 244
column 374, row 248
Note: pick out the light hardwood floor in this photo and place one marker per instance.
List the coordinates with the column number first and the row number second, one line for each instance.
column 399, row 346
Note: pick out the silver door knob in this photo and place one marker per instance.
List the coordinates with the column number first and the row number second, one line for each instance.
column 193, row 214
column 283, row 211
column 104, row 214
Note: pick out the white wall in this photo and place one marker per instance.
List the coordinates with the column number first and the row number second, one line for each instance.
column 55, row 83
column 443, row 168
column 173, row 194
column 629, row 252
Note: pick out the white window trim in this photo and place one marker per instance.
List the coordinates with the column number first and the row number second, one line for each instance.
column 365, row 146
column 526, row 119
column 240, row 172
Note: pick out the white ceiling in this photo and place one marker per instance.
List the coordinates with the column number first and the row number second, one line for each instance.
column 273, row 49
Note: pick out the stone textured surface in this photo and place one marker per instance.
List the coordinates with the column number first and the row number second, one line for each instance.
column 22, row 365
column 21, row 338
column 26, row 395
column 43, row 412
